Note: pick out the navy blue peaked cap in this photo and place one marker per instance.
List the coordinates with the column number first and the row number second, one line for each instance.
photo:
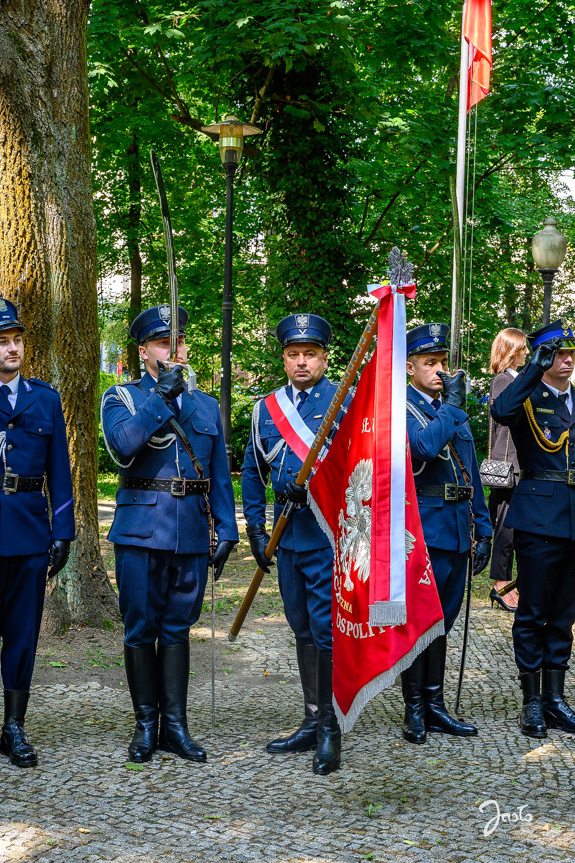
column 427, row 339
column 9, row 316
column 303, row 328
column 154, row 323
column 552, row 331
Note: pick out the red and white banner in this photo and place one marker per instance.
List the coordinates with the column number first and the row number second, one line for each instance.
column 385, row 606
column 477, row 32
column 298, row 436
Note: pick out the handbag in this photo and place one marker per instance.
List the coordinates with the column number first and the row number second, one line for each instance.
column 495, row 473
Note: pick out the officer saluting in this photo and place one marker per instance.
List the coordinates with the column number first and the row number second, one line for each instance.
column 447, row 483
column 34, row 455
column 161, row 529
column 538, row 408
column 305, row 558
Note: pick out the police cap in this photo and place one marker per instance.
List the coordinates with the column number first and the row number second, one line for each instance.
column 552, row 331
column 303, row 328
column 9, row 316
column 154, row 323
column 427, row 339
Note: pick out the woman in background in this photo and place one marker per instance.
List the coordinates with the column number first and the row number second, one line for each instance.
column 508, row 353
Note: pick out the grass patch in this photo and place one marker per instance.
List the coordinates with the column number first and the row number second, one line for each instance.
column 107, row 485
column 237, row 487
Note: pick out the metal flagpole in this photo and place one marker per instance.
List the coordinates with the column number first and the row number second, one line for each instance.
column 459, row 189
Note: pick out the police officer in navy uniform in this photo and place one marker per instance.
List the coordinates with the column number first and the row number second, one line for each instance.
column 304, row 556
column 448, row 490
column 538, row 408
column 161, row 529
column 34, row 472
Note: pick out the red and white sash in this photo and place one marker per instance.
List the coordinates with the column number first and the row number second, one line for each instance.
column 289, row 423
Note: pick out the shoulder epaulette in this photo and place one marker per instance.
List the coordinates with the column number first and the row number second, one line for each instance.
column 41, row 383
column 129, row 383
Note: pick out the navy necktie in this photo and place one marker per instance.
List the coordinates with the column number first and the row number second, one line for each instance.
column 175, row 407
column 6, row 391
column 302, row 397
column 436, row 404
column 563, row 399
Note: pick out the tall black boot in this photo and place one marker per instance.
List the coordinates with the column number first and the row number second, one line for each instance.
column 532, row 721
column 14, row 743
column 328, row 751
column 412, row 682
column 305, row 737
column 436, row 716
column 556, row 711
column 174, row 674
column 142, row 673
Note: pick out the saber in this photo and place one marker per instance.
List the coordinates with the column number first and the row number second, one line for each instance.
column 467, row 617
column 213, row 569
column 322, row 433
column 169, row 240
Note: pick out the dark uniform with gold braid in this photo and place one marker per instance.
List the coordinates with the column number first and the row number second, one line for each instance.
column 542, row 514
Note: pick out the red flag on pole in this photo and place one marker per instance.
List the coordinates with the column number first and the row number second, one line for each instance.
column 477, row 32
column 385, row 606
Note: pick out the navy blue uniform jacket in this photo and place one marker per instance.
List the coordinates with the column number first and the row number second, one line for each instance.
column 445, row 523
column 157, row 519
column 35, row 444
column 539, row 506
column 303, row 533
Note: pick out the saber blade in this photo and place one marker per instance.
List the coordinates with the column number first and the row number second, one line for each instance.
column 169, row 240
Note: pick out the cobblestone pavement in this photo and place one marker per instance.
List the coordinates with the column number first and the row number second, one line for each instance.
column 391, row 801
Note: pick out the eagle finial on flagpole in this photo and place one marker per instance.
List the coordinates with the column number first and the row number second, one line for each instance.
column 399, row 270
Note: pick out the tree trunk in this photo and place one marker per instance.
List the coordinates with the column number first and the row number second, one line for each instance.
column 48, row 254
column 133, row 243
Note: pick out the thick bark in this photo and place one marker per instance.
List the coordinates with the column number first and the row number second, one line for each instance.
column 133, row 238
column 48, row 253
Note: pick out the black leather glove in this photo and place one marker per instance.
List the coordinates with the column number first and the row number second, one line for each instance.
column 482, row 554
column 170, row 384
column 58, row 556
column 296, row 493
column 218, row 559
column 544, row 355
column 454, row 389
column 258, row 543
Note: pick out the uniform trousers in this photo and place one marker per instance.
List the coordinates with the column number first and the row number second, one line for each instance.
column 502, row 555
column 542, row 630
column 305, row 586
column 22, row 588
column 160, row 593
column 449, row 568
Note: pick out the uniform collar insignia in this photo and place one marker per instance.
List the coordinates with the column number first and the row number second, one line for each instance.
column 27, row 385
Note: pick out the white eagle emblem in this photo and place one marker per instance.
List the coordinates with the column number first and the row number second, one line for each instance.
column 164, row 313
column 355, row 536
column 409, row 543
column 302, row 322
column 435, row 331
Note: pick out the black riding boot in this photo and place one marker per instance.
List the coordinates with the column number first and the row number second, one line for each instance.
column 142, row 673
column 556, row 711
column 532, row 721
column 305, row 737
column 412, row 682
column 328, row 751
column 174, row 673
column 436, row 716
column 14, row 742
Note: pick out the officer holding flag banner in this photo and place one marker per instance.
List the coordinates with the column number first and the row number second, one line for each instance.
column 284, row 425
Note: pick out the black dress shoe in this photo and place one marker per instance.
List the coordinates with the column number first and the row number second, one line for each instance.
column 305, row 738
column 556, row 711
column 532, row 721
column 412, row 682
column 494, row 597
column 174, row 675
column 437, row 719
column 142, row 673
column 328, row 751
column 14, row 742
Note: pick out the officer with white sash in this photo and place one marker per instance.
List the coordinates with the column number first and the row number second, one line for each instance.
column 284, row 425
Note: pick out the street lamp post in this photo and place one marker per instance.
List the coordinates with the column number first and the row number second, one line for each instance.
column 231, row 133
column 548, row 248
